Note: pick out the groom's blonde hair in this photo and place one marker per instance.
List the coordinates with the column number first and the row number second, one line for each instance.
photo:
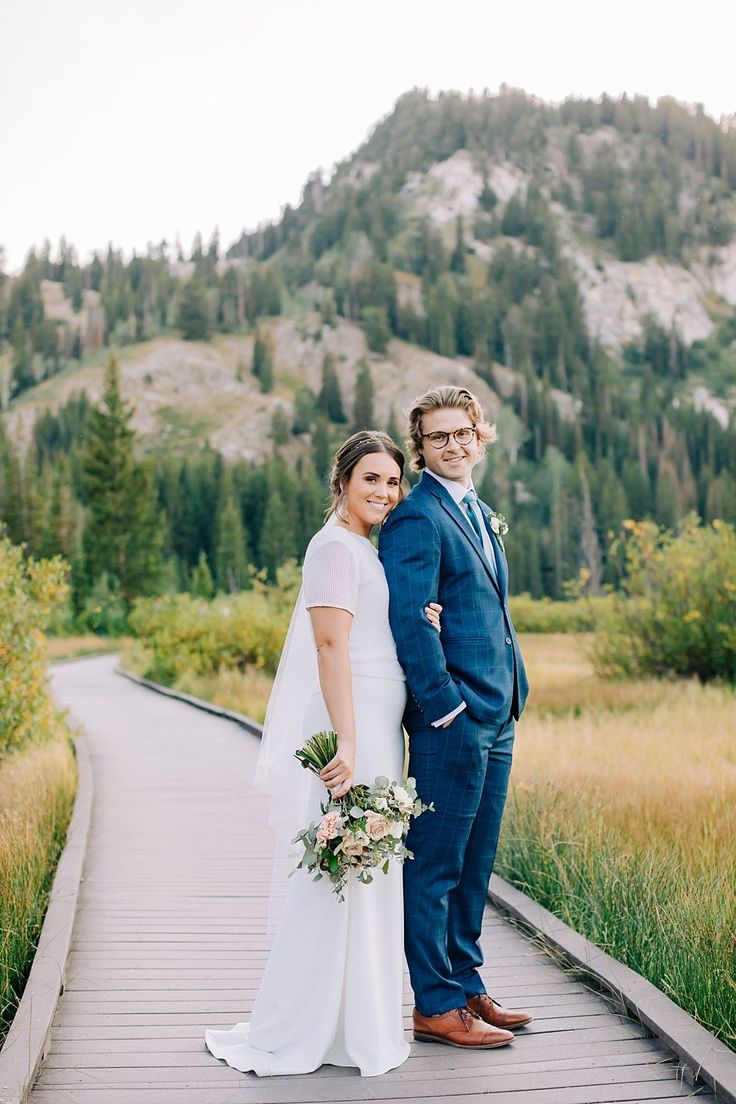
column 442, row 398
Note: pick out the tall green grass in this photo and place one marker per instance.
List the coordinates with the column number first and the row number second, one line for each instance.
column 622, row 820
column 668, row 914
column 37, row 787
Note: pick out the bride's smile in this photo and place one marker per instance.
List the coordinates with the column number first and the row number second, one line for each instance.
column 371, row 492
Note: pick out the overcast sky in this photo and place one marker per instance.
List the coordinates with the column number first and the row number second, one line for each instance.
column 135, row 120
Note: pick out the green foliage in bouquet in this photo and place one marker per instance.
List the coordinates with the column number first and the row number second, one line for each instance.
column 361, row 831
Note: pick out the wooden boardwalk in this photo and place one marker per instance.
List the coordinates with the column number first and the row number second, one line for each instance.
column 170, row 938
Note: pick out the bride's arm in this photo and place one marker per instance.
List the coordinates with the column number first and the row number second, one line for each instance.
column 331, row 627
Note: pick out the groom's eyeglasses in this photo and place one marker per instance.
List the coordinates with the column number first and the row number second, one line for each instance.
column 439, row 439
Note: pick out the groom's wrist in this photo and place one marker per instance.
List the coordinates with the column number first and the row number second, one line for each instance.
column 448, row 717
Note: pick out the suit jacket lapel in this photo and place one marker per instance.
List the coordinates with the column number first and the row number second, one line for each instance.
column 499, row 553
column 453, row 511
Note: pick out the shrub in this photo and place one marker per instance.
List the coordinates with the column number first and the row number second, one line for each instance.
column 104, row 611
column 29, row 592
column 543, row 615
column 676, row 614
column 181, row 635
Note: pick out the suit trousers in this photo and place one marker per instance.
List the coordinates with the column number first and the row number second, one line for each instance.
column 464, row 770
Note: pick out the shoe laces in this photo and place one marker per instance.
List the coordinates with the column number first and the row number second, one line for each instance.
column 485, row 997
column 467, row 1015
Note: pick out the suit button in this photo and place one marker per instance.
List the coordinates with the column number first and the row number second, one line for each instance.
column 508, row 639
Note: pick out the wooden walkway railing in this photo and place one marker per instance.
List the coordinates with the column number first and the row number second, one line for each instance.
column 170, row 938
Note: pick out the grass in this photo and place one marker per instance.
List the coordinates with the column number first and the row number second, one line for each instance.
column 37, row 787
column 622, row 821
column 246, row 692
column 73, row 647
column 621, row 818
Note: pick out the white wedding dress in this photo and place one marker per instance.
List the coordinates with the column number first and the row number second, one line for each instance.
column 332, row 988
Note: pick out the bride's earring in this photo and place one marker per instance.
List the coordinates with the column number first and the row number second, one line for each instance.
column 339, row 507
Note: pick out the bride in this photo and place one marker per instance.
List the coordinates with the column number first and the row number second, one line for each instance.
column 332, row 988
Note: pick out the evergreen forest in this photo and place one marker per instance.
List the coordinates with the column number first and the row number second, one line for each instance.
column 591, row 431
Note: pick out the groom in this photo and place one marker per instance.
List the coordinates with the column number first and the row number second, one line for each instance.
column 466, row 685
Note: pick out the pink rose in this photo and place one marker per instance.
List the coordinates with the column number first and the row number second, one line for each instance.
column 329, row 827
column 376, row 825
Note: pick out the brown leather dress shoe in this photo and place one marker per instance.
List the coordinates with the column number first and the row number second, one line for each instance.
column 492, row 1013
column 459, row 1028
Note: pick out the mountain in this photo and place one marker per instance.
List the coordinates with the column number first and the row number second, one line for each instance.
column 575, row 264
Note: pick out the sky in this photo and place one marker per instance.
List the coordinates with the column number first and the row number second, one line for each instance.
column 140, row 120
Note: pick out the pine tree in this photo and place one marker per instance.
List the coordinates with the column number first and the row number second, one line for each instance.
column 457, row 260
column 305, row 405
column 589, row 544
column 277, row 537
column 329, row 400
column 321, row 448
column 231, row 558
column 193, row 316
column 376, row 328
column 311, row 501
column 392, row 428
column 487, row 199
column 363, row 405
column 202, row 584
column 666, row 496
column 123, row 526
column 262, row 366
column 638, row 490
column 280, row 426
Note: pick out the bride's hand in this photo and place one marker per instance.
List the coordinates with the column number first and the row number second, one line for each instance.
column 433, row 611
column 338, row 774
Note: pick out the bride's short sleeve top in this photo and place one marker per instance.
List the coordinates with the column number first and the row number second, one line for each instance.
column 342, row 569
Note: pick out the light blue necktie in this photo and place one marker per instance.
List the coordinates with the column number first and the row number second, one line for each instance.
column 472, row 509
column 469, row 501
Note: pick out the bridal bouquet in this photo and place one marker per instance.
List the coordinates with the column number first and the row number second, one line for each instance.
column 363, row 830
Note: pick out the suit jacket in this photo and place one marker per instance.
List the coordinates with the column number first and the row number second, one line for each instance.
column 430, row 554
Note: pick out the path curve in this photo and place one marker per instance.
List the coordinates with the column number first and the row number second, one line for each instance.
column 170, row 938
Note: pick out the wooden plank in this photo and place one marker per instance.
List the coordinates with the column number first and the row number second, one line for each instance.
column 565, row 1088
column 270, row 1090
column 198, row 982
column 142, row 993
column 410, row 1071
column 170, row 940
column 582, row 1035
column 616, row 1094
column 423, row 1057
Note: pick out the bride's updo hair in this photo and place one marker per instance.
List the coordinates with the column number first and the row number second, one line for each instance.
column 362, row 443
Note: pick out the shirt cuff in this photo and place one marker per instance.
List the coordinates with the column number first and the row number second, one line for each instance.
column 449, row 717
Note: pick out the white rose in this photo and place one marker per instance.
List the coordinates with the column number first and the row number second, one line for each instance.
column 403, row 800
column 354, row 844
column 376, row 825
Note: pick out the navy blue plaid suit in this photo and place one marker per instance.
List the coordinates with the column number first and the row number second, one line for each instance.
column 430, row 553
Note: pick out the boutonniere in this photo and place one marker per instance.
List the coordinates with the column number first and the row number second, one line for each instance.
column 499, row 525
